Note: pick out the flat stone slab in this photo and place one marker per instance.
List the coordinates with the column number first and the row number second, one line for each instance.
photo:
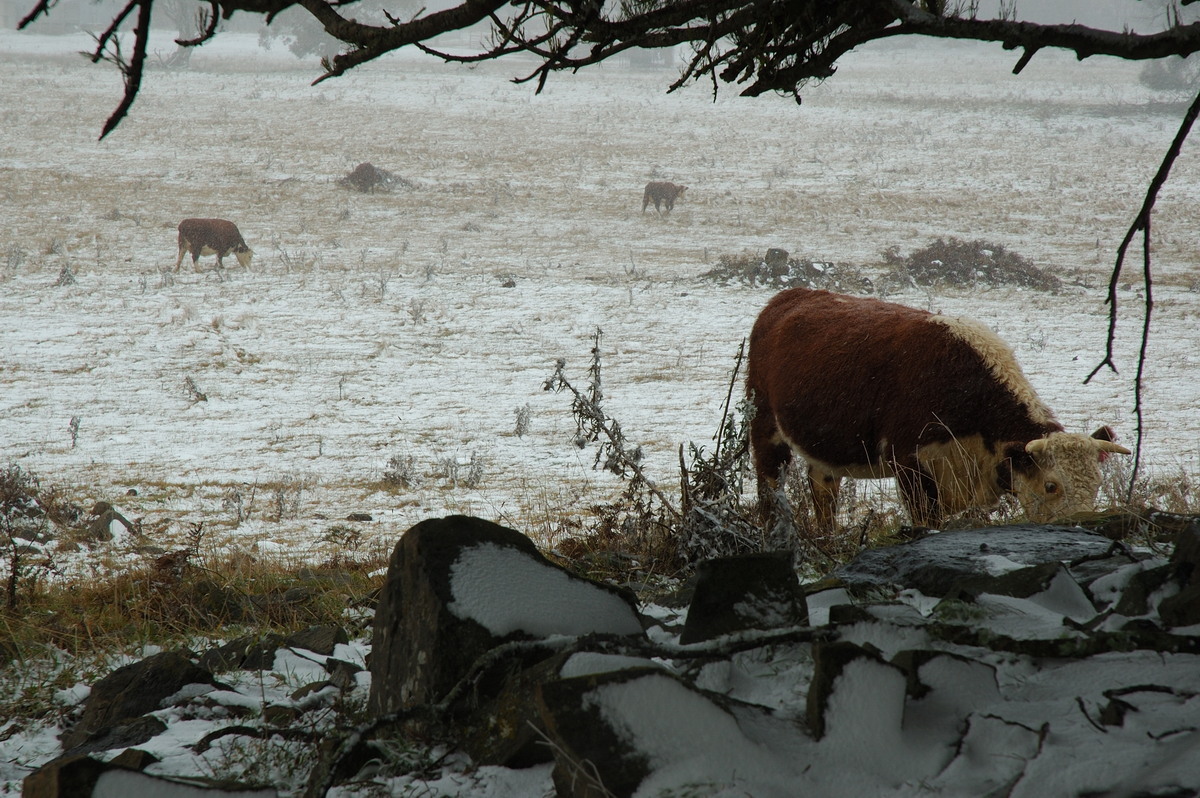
column 934, row 563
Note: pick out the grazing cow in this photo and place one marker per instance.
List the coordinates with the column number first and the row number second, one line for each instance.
column 212, row 237
column 661, row 193
column 867, row 389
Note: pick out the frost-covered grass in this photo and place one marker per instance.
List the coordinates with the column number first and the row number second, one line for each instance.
column 376, row 329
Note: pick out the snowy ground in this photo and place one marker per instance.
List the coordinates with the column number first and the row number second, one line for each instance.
column 376, row 326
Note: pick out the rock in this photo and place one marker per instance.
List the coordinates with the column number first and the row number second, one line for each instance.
column 935, row 563
column 122, row 734
column 131, row 691
column 318, row 639
column 362, row 517
column 508, row 730
column 369, row 178
column 755, row 591
column 279, row 715
column 250, row 653
column 1186, row 555
column 1182, row 609
column 459, row 586
column 342, row 674
column 66, row 777
column 84, row 777
column 220, row 604
column 1049, row 585
column 134, row 759
column 102, row 517
column 638, row 729
column 912, row 661
column 311, row 689
column 829, row 661
column 1135, row 599
column 585, row 744
column 1021, row 583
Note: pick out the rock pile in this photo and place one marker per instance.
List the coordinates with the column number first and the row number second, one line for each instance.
column 1024, row 660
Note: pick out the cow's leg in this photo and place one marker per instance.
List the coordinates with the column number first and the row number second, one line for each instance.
column 771, row 458
column 920, row 494
column 195, row 259
column 179, row 259
column 824, row 488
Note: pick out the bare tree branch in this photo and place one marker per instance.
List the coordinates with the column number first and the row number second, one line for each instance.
column 1141, row 223
column 208, row 27
column 131, row 70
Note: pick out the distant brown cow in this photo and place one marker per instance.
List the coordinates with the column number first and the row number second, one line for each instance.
column 661, row 193
column 212, row 237
column 867, row 389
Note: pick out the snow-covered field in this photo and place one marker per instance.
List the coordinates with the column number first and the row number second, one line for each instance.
column 374, row 327
column 378, row 326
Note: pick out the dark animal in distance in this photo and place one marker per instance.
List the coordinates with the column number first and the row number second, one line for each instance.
column 661, row 193
column 212, row 237
column 867, row 389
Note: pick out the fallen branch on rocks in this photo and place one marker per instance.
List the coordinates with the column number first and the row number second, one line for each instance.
column 322, row 776
column 257, row 732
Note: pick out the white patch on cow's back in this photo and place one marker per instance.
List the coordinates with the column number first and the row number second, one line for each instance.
column 1000, row 359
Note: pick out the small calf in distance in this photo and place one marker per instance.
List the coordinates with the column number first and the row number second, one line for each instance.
column 661, row 192
column 212, row 237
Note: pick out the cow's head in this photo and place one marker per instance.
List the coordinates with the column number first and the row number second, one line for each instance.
column 1059, row 475
column 244, row 255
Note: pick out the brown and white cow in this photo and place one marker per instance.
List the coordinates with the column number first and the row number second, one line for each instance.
column 868, row 389
column 212, row 237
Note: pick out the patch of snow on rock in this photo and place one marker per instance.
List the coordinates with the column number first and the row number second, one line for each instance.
column 507, row 591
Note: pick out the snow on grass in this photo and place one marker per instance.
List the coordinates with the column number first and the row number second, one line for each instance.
column 376, row 325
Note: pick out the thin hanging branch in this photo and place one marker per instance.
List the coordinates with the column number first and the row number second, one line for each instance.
column 1141, row 224
column 131, row 70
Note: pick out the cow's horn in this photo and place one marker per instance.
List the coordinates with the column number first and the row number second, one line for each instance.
column 1109, row 446
column 1035, row 446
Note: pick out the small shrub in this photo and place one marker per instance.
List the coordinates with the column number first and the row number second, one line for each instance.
column 522, row 414
column 470, row 476
column 287, row 494
column 14, row 258
column 1173, row 76
column 369, row 178
column 778, row 270
column 194, row 393
column 65, row 277
column 239, row 501
column 966, row 263
column 401, row 471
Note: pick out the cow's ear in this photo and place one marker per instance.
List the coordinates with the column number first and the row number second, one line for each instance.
column 1013, row 458
column 1017, row 455
column 1107, row 443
